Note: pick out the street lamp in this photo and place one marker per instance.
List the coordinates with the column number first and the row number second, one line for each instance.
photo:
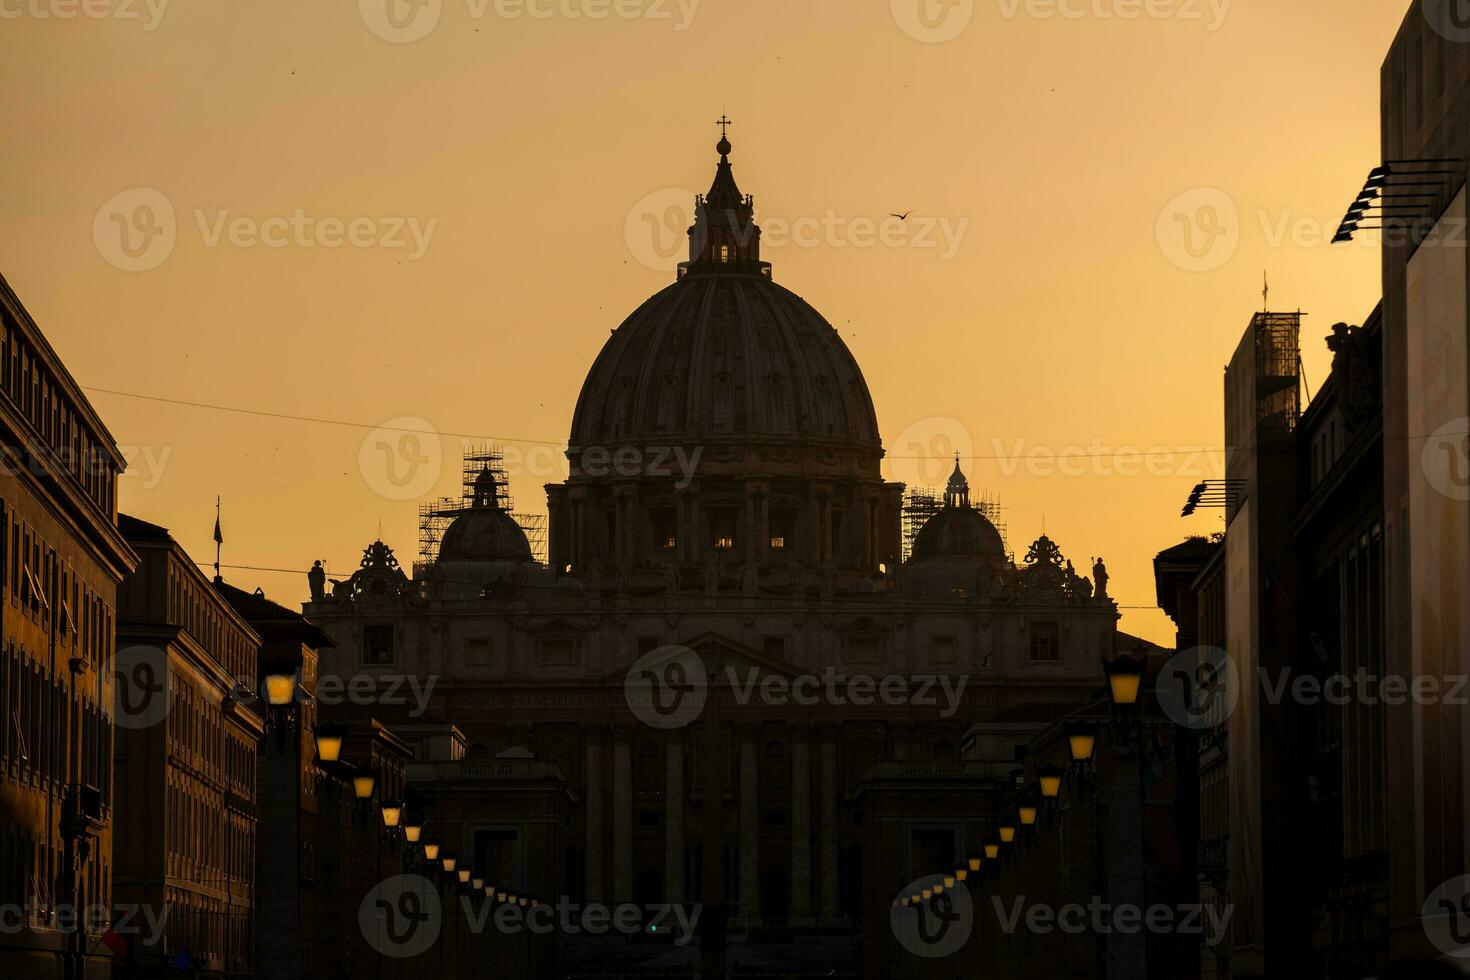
column 1028, row 814
column 329, row 738
column 392, row 814
column 364, row 781
column 464, row 876
column 1007, row 833
column 992, row 851
column 280, row 689
column 1081, row 740
column 413, row 829
column 1050, row 778
column 1125, row 677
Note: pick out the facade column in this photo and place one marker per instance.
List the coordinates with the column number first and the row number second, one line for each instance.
column 595, row 818
column 749, row 827
column 674, row 820
column 801, row 825
column 829, row 839
column 622, row 815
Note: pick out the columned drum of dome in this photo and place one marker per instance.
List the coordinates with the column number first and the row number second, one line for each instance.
column 725, row 415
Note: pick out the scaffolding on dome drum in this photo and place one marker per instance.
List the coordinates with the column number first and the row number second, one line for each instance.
column 922, row 503
column 435, row 516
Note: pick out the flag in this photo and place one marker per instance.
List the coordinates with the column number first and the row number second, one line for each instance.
column 218, row 537
column 116, row 943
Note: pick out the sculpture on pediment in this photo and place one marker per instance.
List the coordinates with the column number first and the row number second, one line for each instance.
column 317, row 580
column 1100, row 578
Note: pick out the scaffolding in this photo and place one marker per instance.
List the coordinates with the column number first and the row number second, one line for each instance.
column 1278, row 369
column 435, row 516
column 922, row 503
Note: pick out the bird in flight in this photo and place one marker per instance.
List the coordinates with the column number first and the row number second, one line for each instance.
column 900, row 217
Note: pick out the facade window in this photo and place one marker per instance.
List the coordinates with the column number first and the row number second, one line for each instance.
column 1046, row 642
column 377, row 644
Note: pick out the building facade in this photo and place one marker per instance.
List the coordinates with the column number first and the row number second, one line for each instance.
column 60, row 567
column 773, row 557
column 185, row 765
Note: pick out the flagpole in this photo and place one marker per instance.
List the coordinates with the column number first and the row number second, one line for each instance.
column 219, row 538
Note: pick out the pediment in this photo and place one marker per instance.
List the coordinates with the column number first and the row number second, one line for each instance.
column 720, row 655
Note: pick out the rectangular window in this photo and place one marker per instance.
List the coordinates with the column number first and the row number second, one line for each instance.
column 942, row 650
column 377, row 644
column 1046, row 642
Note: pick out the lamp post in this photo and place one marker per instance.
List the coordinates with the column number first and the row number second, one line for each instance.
column 1127, row 953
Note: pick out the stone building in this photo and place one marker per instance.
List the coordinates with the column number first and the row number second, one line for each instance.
column 185, row 762
column 725, row 521
column 61, row 559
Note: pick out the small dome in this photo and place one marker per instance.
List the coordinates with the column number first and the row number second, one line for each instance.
column 484, row 534
column 958, row 532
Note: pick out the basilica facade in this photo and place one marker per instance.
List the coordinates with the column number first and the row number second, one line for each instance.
column 725, row 502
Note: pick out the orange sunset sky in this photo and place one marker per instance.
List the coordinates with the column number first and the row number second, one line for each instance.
column 1097, row 187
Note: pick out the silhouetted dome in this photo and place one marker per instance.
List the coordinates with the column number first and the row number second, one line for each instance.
column 725, row 356
column 958, row 532
column 484, row 534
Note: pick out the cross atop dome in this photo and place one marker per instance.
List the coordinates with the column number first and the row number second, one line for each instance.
column 724, row 236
